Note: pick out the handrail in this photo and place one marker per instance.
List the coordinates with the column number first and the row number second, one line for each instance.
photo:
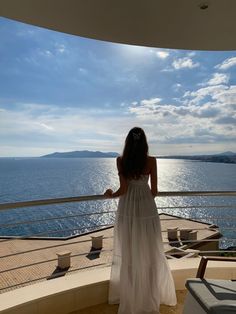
column 55, row 275
column 205, row 259
column 49, row 247
column 52, row 201
column 52, row 260
column 96, row 252
column 93, row 227
column 106, row 264
column 102, row 197
column 87, row 267
column 28, row 222
column 45, row 233
column 183, row 242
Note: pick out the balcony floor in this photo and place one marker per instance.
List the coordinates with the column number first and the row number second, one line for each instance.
column 39, row 251
column 112, row 309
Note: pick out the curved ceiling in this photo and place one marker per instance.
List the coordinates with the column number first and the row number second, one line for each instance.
column 182, row 24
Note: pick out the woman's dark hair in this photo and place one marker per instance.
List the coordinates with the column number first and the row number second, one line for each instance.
column 135, row 153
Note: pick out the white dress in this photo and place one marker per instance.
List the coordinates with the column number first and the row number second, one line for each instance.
column 141, row 279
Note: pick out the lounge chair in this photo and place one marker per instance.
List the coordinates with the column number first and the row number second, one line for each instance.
column 212, row 296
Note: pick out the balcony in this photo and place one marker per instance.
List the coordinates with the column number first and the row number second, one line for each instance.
column 31, row 282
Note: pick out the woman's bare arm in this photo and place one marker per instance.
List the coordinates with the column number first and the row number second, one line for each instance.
column 123, row 183
column 154, row 188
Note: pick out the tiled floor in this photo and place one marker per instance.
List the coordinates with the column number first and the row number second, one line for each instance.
column 12, row 253
column 46, row 250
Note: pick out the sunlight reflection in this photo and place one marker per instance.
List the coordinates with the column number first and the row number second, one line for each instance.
column 134, row 53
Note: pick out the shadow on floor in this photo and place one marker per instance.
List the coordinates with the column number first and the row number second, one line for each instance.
column 58, row 272
column 176, row 244
column 94, row 253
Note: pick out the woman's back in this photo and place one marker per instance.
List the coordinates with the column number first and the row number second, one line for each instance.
column 140, row 276
column 150, row 169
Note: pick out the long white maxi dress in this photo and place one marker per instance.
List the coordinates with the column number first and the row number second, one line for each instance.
column 140, row 275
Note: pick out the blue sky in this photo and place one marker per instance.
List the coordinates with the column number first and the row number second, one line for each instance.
column 60, row 92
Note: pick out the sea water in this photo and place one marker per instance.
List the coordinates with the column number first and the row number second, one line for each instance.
column 24, row 179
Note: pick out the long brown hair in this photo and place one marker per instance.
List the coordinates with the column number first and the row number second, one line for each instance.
column 135, row 153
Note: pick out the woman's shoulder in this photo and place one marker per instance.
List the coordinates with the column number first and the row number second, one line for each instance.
column 118, row 159
column 151, row 163
column 151, row 159
column 118, row 163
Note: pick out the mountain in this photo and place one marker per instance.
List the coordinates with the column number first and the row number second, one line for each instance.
column 226, row 154
column 81, row 154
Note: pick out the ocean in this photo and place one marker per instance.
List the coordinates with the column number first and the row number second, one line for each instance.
column 23, row 179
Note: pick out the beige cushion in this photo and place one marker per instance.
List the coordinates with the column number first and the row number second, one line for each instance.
column 214, row 296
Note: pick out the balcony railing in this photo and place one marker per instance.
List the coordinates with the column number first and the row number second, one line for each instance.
column 7, row 240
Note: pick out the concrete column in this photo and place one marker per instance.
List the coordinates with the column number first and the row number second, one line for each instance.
column 64, row 259
column 97, row 242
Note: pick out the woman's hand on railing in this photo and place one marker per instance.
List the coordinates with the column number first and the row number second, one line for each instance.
column 108, row 193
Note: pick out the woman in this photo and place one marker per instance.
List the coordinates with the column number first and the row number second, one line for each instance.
column 140, row 275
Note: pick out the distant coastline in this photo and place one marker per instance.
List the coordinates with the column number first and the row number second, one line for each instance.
column 226, row 157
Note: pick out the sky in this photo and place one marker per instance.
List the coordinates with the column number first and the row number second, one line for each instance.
column 60, row 92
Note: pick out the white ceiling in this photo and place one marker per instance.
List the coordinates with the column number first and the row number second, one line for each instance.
column 180, row 24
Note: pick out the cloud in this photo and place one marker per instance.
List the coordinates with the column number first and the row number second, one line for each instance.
column 185, row 62
column 147, row 108
column 206, row 116
column 47, row 127
column 61, row 129
column 173, row 112
column 191, row 54
column 222, row 95
column 64, row 129
column 60, row 48
column 45, row 53
column 150, row 102
column 196, row 97
column 218, row 78
column 177, row 87
column 162, row 54
column 226, row 64
column 226, row 120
